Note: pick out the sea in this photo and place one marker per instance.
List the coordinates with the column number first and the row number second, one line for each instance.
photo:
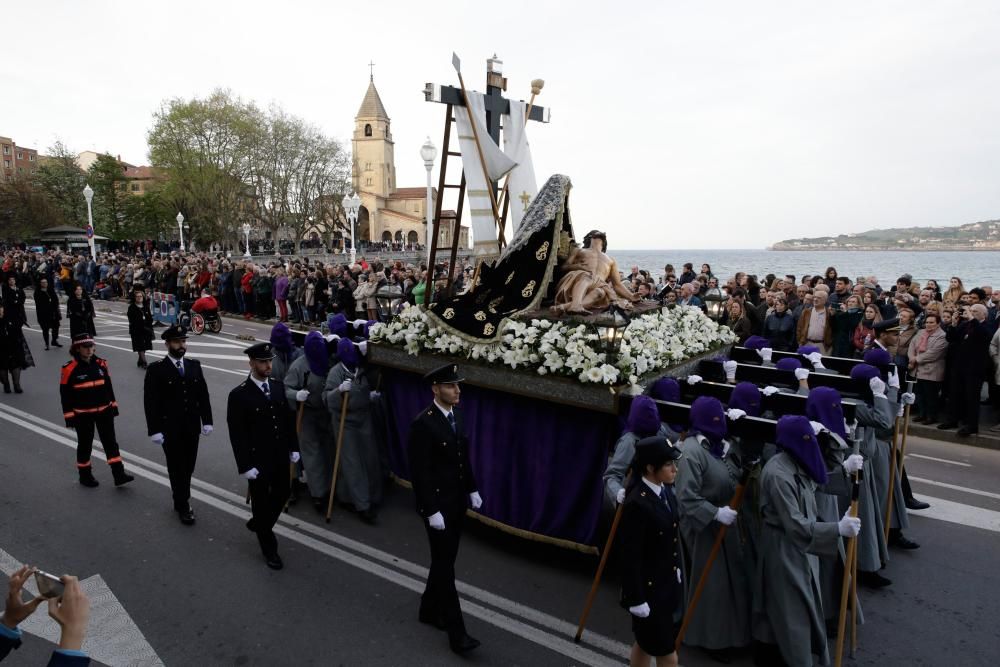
column 975, row 268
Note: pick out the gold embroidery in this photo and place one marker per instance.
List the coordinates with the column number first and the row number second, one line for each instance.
column 509, row 278
column 488, row 329
column 480, row 315
column 449, row 313
column 529, row 289
column 542, row 252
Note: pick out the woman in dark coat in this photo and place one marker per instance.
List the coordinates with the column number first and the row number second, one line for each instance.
column 779, row 327
column 80, row 311
column 140, row 327
column 14, row 353
column 47, row 312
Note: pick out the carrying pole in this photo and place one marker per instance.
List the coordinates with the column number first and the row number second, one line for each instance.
column 845, row 588
column 336, row 459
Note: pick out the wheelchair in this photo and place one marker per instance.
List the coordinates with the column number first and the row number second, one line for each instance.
column 197, row 322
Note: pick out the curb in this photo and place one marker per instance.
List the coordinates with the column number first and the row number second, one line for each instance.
column 985, row 440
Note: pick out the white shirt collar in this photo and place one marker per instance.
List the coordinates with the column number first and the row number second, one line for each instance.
column 444, row 411
column 260, row 384
column 656, row 488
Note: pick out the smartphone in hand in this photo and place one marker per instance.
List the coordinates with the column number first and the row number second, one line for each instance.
column 49, row 585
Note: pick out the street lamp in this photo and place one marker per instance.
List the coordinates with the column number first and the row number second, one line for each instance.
column 429, row 153
column 246, row 233
column 714, row 303
column 352, row 204
column 88, row 194
column 180, row 228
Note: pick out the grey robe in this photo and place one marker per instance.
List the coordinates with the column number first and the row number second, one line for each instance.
column 883, row 444
column 704, row 483
column 621, row 460
column 360, row 478
column 873, row 553
column 316, row 438
column 788, row 608
column 282, row 362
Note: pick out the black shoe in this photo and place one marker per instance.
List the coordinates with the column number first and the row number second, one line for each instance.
column 945, row 426
column 6, row 388
column 46, row 347
column 872, row 579
column 369, row 516
column 914, row 504
column 722, row 655
column 87, row 478
column 433, row 620
column 463, row 644
column 121, row 477
column 964, row 431
column 897, row 539
column 186, row 515
column 251, row 526
column 274, row 561
column 56, row 343
column 17, row 389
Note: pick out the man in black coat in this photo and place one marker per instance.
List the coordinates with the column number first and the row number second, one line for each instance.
column 47, row 311
column 262, row 432
column 178, row 411
column 971, row 338
column 444, row 487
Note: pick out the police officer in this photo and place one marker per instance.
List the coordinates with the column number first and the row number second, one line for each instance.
column 262, row 432
column 444, row 487
column 178, row 410
column 88, row 403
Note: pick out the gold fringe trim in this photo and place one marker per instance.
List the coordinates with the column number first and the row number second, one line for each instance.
column 519, row 532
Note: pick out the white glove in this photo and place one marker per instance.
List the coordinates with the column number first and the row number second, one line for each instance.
column 765, row 354
column 250, row 474
column 301, row 395
column 852, row 428
column 894, row 378
column 801, row 374
column 157, row 438
column 735, row 413
column 899, row 410
column 725, row 515
column 331, row 337
column 345, row 386
column 436, row 521
column 816, row 359
column 294, row 457
column 849, row 526
column 853, row 463
column 909, row 398
column 693, row 379
column 620, row 496
column 207, row 429
column 730, row 368
column 363, row 348
column 475, row 500
column 374, row 394
column 878, row 387
column 769, row 390
column 640, row 610
column 359, row 322
column 817, row 427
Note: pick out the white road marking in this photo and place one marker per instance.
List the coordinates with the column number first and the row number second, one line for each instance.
column 191, row 341
column 934, row 458
column 956, row 487
column 113, row 637
column 294, row 530
column 965, row 515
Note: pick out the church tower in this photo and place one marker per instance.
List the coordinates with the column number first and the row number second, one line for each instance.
column 374, row 168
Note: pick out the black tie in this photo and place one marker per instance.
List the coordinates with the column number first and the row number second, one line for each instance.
column 266, row 390
column 180, row 367
column 451, row 420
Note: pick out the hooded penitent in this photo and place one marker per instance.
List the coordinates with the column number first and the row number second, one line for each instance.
column 281, row 337
column 709, row 419
column 347, row 354
column 756, row 343
column 669, row 390
column 794, row 435
column 788, row 364
column 746, row 397
column 805, row 350
column 878, row 357
column 824, row 405
column 316, row 354
column 337, row 325
column 643, row 417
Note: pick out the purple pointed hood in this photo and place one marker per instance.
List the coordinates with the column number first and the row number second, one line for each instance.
column 643, row 417
column 709, row 419
column 794, row 434
column 337, row 324
column 878, row 357
column 788, row 364
column 807, row 349
column 864, row 372
column 668, row 389
column 756, row 343
column 746, row 397
column 281, row 337
column 825, row 406
column 347, row 353
column 316, row 354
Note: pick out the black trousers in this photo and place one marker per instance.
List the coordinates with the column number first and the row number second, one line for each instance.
column 963, row 399
column 105, row 425
column 54, row 328
column 440, row 598
column 267, row 498
column 928, row 398
column 181, row 451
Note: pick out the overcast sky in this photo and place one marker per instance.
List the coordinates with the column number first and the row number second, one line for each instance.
column 681, row 124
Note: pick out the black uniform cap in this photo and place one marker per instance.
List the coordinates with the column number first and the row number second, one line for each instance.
column 444, row 375
column 175, row 332
column 260, row 352
column 655, row 451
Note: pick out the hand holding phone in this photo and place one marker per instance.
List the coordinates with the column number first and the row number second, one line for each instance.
column 49, row 585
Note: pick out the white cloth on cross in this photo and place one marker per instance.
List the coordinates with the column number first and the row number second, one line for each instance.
column 522, row 187
column 484, row 226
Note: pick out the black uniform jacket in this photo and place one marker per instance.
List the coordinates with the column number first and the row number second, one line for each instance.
column 261, row 430
column 439, row 463
column 650, row 551
column 86, row 391
column 176, row 405
column 47, row 308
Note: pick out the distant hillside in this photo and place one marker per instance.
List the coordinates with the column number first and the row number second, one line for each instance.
column 973, row 236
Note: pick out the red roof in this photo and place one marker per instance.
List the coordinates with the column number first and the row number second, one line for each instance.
column 411, row 193
column 139, row 172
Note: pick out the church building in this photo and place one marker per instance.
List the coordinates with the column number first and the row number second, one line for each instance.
column 388, row 212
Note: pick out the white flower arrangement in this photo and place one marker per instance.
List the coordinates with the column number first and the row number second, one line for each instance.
column 651, row 342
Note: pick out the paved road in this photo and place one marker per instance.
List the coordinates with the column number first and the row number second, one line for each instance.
column 349, row 592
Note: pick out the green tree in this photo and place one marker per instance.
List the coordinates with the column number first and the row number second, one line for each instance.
column 26, row 209
column 147, row 216
column 59, row 177
column 107, row 177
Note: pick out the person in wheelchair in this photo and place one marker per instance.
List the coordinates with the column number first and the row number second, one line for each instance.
column 206, row 306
